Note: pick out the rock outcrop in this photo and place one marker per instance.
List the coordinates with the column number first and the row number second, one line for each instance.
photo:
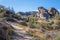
column 52, row 11
column 45, row 14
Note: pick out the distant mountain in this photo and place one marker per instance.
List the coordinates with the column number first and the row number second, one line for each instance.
column 28, row 13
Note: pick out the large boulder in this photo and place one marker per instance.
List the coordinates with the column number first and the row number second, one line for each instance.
column 46, row 14
column 52, row 11
column 43, row 13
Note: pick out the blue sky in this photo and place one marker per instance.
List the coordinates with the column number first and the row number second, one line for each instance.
column 30, row 5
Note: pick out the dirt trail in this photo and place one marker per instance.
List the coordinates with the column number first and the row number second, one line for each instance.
column 20, row 33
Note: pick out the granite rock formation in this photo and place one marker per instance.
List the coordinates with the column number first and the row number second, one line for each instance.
column 45, row 14
column 52, row 11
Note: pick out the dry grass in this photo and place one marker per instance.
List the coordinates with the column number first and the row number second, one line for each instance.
column 33, row 32
column 36, row 32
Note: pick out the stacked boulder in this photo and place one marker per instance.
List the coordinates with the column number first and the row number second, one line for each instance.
column 52, row 11
column 45, row 14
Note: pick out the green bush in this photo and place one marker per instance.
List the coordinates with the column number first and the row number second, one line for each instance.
column 32, row 22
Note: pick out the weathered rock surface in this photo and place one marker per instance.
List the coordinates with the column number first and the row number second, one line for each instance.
column 45, row 14
column 52, row 11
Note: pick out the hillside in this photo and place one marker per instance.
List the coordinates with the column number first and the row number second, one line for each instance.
column 43, row 24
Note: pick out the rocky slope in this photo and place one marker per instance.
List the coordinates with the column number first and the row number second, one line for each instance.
column 20, row 34
column 4, row 31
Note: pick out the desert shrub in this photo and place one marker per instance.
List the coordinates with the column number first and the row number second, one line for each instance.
column 5, row 31
column 32, row 22
column 24, row 18
column 10, row 32
column 35, row 35
column 57, row 38
column 23, row 23
column 51, row 23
